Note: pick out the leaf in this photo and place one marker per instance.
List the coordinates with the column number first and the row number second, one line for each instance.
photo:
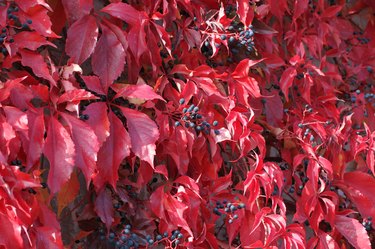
column 93, row 83
column 81, row 39
column 75, row 95
column 115, row 149
column 125, row 12
column 26, row 5
column 30, row 40
column 41, row 21
column 10, row 232
column 353, row 231
column 48, row 237
column 86, row 144
column 137, row 21
column 60, row 151
column 36, row 62
column 75, row 9
column 360, row 187
column 144, row 92
column 36, row 138
column 262, row 28
column 274, row 109
column 98, row 120
column 109, row 58
column 68, row 193
column 143, row 133
column 104, row 207
column 331, row 11
column 286, row 80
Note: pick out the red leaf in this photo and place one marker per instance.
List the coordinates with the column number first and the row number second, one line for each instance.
column 10, row 231
column 286, row 80
column 16, row 118
column 144, row 92
column 104, row 207
column 360, row 187
column 26, row 5
column 30, row 40
column 353, row 231
column 60, row 151
column 86, row 144
column 81, row 39
column 245, row 12
column 98, row 120
column 75, row 9
column 48, row 238
column 125, row 12
column 274, row 109
column 36, row 138
column 115, row 149
column 109, row 57
column 143, row 132
column 76, row 95
column 36, row 62
column 41, row 21
column 93, row 83
column 331, row 11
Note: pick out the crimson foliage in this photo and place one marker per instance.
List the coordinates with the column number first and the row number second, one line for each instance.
column 187, row 123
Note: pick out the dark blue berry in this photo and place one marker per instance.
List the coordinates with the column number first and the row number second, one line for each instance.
column 199, row 128
column 300, row 125
column 148, row 237
column 235, row 216
column 177, row 242
column 206, row 43
column 241, row 205
column 180, row 236
column 369, row 68
column 123, row 238
column 215, row 123
column 177, row 123
column 29, row 21
column 159, row 237
column 231, row 39
column 190, row 109
column 126, row 231
column 230, row 221
column 151, row 241
column 130, row 242
column 223, row 37
column 165, row 234
column 196, row 109
column 217, row 132
column 184, row 110
column 192, row 125
column 181, row 101
column 4, row 30
column 111, row 236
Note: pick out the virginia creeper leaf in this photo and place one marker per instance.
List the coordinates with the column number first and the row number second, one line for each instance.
column 143, row 133
column 60, row 152
column 81, row 39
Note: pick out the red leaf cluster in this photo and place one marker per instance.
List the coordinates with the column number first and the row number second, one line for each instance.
column 187, row 124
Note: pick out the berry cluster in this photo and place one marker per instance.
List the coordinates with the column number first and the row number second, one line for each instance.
column 191, row 118
column 229, row 208
column 125, row 239
column 14, row 22
column 245, row 39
